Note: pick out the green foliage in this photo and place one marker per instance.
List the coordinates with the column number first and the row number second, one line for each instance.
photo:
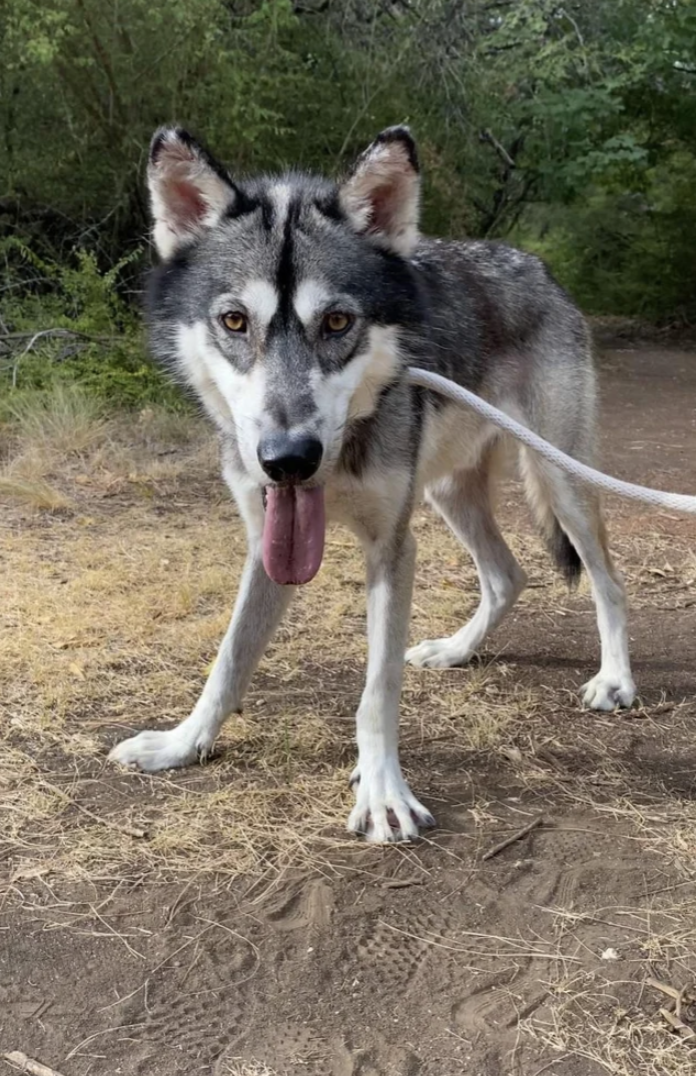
column 570, row 127
column 77, row 328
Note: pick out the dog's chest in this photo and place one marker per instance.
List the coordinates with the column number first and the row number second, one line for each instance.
column 371, row 505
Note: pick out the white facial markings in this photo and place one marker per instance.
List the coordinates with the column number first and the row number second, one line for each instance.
column 261, row 300
column 235, row 400
column 280, row 195
column 352, row 392
column 382, row 363
column 310, row 298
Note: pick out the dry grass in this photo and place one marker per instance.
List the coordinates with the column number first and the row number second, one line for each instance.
column 245, row 1068
column 112, row 618
column 614, row 1020
column 36, row 492
column 64, row 420
column 111, row 615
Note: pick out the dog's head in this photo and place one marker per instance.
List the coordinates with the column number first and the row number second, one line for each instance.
column 280, row 300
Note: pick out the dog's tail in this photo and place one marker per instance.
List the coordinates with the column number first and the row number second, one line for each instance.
column 564, row 554
column 538, row 487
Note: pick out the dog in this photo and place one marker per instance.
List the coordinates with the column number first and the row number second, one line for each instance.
column 291, row 306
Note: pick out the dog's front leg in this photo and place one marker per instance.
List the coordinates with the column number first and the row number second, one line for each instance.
column 385, row 809
column 258, row 610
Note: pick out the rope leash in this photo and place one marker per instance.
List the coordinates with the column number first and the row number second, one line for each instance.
column 678, row 502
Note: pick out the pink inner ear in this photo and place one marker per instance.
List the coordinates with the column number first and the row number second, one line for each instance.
column 186, row 203
column 382, row 207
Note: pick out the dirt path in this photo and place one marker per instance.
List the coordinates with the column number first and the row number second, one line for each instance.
column 218, row 922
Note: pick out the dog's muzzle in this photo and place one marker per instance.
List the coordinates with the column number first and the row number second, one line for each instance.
column 288, row 459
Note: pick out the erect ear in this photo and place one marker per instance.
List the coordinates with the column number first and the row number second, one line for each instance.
column 189, row 190
column 381, row 197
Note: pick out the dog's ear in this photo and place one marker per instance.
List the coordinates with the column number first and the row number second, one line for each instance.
column 381, row 197
column 189, row 190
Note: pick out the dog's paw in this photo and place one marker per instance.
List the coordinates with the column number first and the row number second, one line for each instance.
column 438, row 654
column 385, row 809
column 161, row 750
column 609, row 692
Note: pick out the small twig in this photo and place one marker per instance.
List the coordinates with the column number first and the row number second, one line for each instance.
column 516, row 836
column 41, row 334
column 665, row 988
column 25, row 1064
column 678, row 1025
column 401, row 883
column 120, row 827
column 55, row 332
column 487, row 135
column 679, row 996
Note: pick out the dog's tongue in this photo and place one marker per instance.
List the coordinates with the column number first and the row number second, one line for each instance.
column 293, row 533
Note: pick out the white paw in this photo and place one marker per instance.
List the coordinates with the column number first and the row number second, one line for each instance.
column 439, row 654
column 164, row 750
column 609, row 692
column 386, row 810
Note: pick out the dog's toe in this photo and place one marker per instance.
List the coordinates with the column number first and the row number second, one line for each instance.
column 386, row 810
column 437, row 654
column 609, row 692
column 155, row 750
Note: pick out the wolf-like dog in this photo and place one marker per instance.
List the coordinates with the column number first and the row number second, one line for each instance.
column 292, row 306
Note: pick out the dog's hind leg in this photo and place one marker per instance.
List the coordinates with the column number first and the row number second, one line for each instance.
column 578, row 512
column 464, row 502
column 259, row 607
column 385, row 809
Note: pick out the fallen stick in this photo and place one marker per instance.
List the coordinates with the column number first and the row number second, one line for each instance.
column 401, row 883
column 665, row 988
column 686, row 1032
column 679, row 996
column 25, row 1064
column 516, row 836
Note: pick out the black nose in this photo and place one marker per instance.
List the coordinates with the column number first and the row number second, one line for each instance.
column 289, row 459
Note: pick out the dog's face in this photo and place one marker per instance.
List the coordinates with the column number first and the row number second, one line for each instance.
column 280, row 300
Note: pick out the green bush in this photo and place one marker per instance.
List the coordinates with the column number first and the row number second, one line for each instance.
column 76, row 329
column 571, row 128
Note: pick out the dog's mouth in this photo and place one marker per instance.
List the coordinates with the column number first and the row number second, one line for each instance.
column 293, row 533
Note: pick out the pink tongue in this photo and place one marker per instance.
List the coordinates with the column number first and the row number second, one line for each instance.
column 293, row 533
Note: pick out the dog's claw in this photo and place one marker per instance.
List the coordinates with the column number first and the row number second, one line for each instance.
column 386, row 810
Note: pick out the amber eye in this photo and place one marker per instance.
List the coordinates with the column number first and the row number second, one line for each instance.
column 234, row 322
column 336, row 323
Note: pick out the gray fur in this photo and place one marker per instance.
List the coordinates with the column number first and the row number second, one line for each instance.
column 487, row 316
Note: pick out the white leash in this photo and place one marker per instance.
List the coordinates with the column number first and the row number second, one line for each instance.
column 678, row 502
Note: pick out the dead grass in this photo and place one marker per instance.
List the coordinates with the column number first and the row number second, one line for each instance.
column 244, row 1068
column 611, row 1021
column 35, row 492
column 64, row 419
column 622, row 1043
column 111, row 616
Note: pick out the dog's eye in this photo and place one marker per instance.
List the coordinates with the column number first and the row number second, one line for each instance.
column 234, row 322
column 336, row 323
